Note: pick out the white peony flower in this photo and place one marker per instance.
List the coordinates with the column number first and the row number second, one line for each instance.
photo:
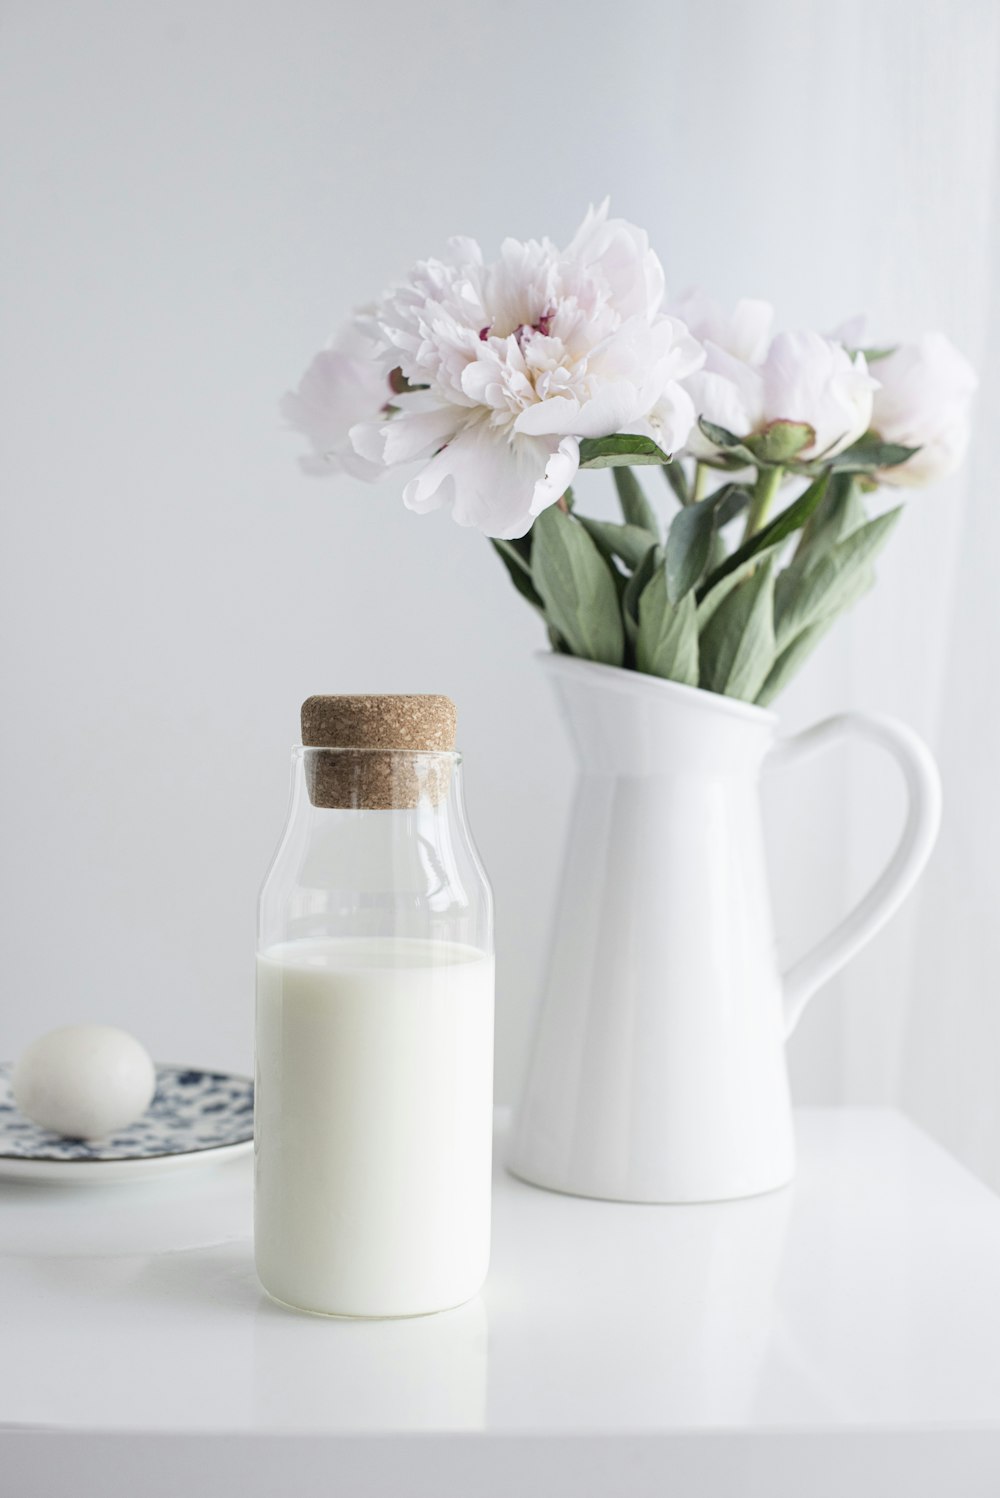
column 521, row 358
column 346, row 383
column 803, row 378
column 923, row 400
column 852, row 332
column 744, row 333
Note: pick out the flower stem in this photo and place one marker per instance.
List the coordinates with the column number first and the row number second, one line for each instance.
column 766, row 487
column 700, row 481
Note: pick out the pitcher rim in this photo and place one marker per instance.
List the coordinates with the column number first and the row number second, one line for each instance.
column 639, row 682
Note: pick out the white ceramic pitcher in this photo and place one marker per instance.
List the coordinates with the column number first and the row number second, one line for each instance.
column 658, row 1072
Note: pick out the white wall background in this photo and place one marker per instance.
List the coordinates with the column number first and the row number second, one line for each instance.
column 194, row 193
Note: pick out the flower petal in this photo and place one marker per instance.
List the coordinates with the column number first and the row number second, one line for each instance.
column 672, row 420
column 924, row 400
column 412, row 435
column 491, row 482
column 621, row 252
column 811, row 379
column 346, row 383
column 744, row 333
column 560, row 471
column 559, row 415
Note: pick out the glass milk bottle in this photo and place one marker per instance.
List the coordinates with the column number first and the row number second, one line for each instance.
column 373, row 1116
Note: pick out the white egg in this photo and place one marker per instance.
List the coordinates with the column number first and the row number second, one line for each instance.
column 84, row 1081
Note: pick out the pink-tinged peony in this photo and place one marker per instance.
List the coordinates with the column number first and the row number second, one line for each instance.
column 923, row 401
column 519, row 359
column 803, row 377
column 744, row 333
column 346, row 383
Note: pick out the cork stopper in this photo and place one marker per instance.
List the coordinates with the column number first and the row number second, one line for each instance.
column 381, row 776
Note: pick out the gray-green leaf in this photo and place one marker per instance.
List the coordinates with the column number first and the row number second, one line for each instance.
column 635, row 587
column 624, row 450
column 737, row 644
column 839, row 512
column 782, row 526
column 870, row 452
column 629, row 542
column 689, row 539
column 733, row 446
column 517, row 561
column 789, row 661
column 667, row 642
column 712, row 600
column 689, row 544
column 636, row 508
column 577, row 588
column 842, row 574
column 677, row 479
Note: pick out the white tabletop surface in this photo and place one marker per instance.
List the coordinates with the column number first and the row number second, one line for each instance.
column 840, row 1336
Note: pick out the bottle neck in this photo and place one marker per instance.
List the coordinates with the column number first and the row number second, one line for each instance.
column 370, row 869
column 377, row 779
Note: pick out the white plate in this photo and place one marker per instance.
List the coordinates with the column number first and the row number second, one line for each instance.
column 196, row 1118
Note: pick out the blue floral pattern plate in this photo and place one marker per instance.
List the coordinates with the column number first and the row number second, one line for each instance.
column 196, row 1118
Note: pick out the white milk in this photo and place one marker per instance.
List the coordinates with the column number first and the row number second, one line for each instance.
column 373, row 1124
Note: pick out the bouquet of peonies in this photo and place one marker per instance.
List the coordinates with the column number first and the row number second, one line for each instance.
column 497, row 381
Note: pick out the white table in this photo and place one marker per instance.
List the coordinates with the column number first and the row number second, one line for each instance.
column 841, row 1337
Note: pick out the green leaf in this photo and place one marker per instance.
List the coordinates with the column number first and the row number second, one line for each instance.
column 830, row 574
column 691, row 534
column 517, row 553
column 667, row 642
column 577, row 588
column 737, row 644
column 517, row 561
column 623, row 451
column 720, row 591
column 738, row 460
column 629, row 542
column 717, row 595
column 731, row 446
column 869, row 453
column 789, row 661
column 841, row 575
column 636, row 508
column 781, row 441
column 839, row 512
column 720, row 436
column 689, row 543
column 730, row 501
column 717, row 552
column 635, row 586
column 677, row 479
column 779, row 529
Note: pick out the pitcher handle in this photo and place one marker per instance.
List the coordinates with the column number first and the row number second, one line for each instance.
column 923, row 818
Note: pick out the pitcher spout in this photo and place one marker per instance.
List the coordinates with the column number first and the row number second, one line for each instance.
column 627, row 723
